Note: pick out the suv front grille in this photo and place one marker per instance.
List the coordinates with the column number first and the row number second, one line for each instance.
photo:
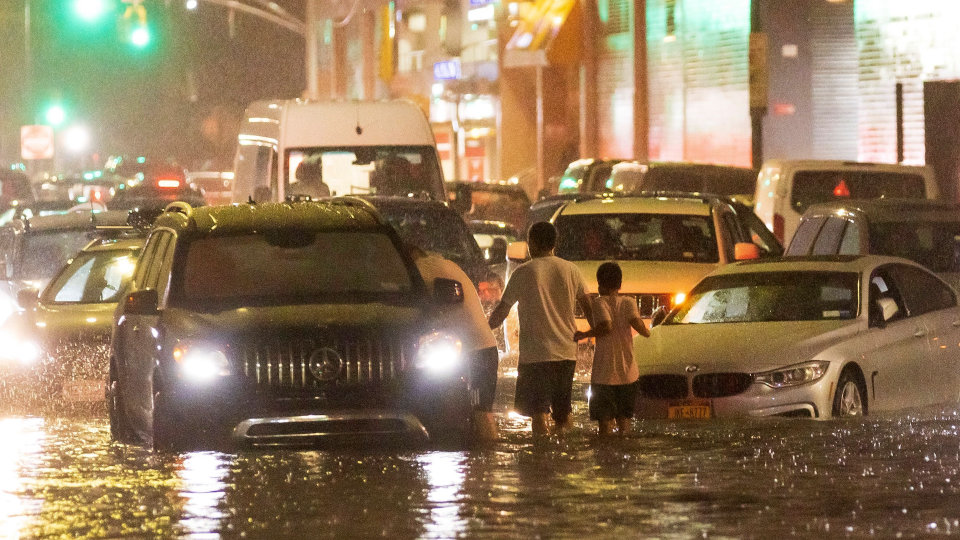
column 307, row 363
column 646, row 303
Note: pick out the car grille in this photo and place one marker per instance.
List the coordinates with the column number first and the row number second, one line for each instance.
column 715, row 385
column 286, row 363
column 663, row 386
column 646, row 303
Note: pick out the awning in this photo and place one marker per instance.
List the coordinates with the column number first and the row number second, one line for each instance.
column 548, row 33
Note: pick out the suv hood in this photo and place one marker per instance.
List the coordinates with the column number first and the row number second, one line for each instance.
column 737, row 347
column 260, row 321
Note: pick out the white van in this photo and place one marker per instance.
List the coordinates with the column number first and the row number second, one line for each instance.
column 785, row 188
column 317, row 148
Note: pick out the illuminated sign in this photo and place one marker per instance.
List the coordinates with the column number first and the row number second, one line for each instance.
column 446, row 70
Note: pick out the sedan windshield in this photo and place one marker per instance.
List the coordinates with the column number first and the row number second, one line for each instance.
column 301, row 265
column 636, row 237
column 47, row 252
column 93, row 278
column 770, row 296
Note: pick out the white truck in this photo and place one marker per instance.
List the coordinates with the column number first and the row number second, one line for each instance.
column 317, row 148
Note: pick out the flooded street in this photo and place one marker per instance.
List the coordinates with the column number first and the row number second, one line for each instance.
column 883, row 477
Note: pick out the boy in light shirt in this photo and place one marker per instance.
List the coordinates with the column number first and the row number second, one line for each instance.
column 613, row 381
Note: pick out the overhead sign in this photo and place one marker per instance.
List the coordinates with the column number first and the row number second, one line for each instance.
column 36, row 142
column 447, row 70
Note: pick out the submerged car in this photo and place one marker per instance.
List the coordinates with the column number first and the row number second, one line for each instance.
column 55, row 350
column 285, row 324
column 812, row 337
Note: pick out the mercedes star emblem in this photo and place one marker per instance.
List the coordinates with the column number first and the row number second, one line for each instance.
column 325, row 364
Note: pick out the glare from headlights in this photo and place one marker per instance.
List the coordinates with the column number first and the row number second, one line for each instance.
column 201, row 364
column 22, row 351
column 679, row 298
column 439, row 353
column 793, row 375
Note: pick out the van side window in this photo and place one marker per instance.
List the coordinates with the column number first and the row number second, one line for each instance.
column 805, row 235
column 850, row 244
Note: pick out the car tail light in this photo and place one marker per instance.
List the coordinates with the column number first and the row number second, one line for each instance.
column 169, row 183
column 778, row 226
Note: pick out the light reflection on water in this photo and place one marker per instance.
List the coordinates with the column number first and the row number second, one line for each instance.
column 881, row 476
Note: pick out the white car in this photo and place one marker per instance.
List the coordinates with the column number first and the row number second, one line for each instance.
column 814, row 337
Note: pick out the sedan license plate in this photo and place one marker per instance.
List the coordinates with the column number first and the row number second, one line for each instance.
column 83, row 390
column 690, row 409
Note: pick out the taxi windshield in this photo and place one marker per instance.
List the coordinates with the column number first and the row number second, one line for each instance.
column 770, row 296
column 93, row 278
column 636, row 237
column 302, row 266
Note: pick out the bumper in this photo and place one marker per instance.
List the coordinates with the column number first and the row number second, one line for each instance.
column 814, row 400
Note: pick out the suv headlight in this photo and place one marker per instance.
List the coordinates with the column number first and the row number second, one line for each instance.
column 200, row 362
column 439, row 352
column 22, row 351
column 793, row 375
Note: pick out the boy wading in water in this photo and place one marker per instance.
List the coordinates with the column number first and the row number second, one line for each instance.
column 546, row 289
column 613, row 381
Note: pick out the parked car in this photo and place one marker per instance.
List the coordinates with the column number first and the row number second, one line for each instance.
column 284, row 324
column 785, row 188
column 158, row 189
column 545, row 208
column 215, row 186
column 33, row 250
column 55, row 351
column 922, row 230
column 586, row 175
column 490, row 201
column 738, row 183
column 812, row 337
column 15, row 188
column 664, row 244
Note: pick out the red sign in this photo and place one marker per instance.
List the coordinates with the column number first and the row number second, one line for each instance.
column 36, row 142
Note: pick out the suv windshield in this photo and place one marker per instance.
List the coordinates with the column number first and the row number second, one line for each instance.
column 302, row 266
column 811, row 187
column 770, row 296
column 362, row 170
column 637, row 237
column 93, row 278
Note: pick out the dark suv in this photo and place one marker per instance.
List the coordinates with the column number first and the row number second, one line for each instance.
column 284, row 324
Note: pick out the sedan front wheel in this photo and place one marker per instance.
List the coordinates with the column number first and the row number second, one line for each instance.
column 851, row 398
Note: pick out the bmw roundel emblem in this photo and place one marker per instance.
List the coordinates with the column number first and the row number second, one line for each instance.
column 325, row 364
column 692, row 368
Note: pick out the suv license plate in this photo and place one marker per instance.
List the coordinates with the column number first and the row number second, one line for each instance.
column 689, row 411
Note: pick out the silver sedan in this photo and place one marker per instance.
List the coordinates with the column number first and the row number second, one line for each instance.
column 810, row 337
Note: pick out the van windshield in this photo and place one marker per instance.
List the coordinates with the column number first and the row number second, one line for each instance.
column 812, row 187
column 364, row 170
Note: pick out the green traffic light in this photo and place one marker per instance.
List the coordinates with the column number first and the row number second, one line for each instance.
column 90, row 10
column 55, row 115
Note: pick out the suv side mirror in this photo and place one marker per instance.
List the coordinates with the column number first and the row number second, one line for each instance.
column 518, row 251
column 746, row 251
column 27, row 298
column 142, row 302
column 447, row 291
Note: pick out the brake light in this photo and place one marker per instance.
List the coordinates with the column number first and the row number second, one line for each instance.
column 778, row 227
column 841, row 190
column 169, row 183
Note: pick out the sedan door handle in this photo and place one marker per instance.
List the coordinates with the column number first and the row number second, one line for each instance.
column 919, row 332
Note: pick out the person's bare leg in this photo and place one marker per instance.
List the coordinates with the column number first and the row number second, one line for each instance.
column 484, row 426
column 561, row 427
column 539, row 423
column 624, row 425
column 605, row 427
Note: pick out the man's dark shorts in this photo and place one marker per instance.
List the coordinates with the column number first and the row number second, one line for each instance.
column 612, row 401
column 545, row 387
column 483, row 379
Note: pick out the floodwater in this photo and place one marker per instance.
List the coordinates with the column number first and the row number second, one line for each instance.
column 881, row 476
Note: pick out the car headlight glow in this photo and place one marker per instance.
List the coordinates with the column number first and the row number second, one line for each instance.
column 678, row 298
column 439, row 352
column 793, row 375
column 22, row 351
column 201, row 363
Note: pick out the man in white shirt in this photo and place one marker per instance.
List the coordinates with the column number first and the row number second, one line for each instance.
column 546, row 289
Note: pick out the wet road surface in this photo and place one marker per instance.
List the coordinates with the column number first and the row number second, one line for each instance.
column 877, row 477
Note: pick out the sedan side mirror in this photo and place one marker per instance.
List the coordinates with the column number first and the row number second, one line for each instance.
column 142, row 302
column 27, row 298
column 447, row 291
